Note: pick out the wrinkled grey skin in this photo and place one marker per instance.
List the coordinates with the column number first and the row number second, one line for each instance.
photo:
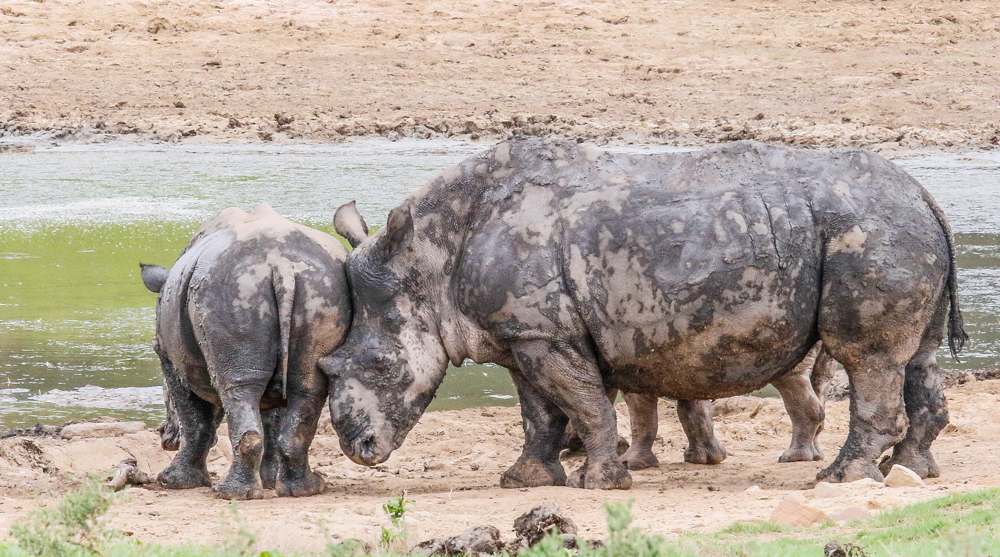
column 242, row 319
column 803, row 390
column 692, row 275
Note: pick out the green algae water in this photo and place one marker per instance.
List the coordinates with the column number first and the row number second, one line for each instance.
column 76, row 323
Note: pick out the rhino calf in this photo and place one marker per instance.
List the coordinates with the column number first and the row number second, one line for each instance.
column 242, row 318
column 803, row 391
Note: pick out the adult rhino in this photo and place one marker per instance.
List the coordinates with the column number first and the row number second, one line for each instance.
column 690, row 275
column 242, row 318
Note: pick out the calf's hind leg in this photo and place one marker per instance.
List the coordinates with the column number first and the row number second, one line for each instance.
column 242, row 403
column 197, row 420
column 298, row 427
column 271, row 461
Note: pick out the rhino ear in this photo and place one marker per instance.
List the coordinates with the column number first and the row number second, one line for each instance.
column 349, row 223
column 399, row 231
column 153, row 276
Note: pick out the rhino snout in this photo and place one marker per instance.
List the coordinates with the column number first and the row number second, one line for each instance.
column 364, row 450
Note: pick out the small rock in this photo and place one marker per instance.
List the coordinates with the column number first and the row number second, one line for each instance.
column 866, row 483
column 752, row 489
column 114, row 429
column 849, row 514
column 793, row 512
column 825, row 490
column 885, row 502
column 901, row 476
column 539, row 521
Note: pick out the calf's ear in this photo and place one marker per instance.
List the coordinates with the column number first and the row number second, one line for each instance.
column 399, row 231
column 153, row 276
column 349, row 223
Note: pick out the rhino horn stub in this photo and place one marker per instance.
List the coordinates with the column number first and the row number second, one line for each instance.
column 349, row 223
column 153, row 276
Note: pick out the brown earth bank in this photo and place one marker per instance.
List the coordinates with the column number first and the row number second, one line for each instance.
column 451, row 463
column 880, row 73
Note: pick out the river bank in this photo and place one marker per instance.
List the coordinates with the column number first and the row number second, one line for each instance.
column 451, row 464
column 887, row 75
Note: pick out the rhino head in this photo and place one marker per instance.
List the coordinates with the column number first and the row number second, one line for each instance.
column 384, row 375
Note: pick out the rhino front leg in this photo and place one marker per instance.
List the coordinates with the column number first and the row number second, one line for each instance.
column 298, row 427
column 643, row 417
column 196, row 419
column 544, row 424
column 573, row 383
column 696, row 420
column 242, row 404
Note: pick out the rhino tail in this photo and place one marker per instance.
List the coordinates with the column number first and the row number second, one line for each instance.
column 957, row 336
column 284, row 293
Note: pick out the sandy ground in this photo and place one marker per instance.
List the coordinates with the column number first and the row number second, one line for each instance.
column 451, row 464
column 886, row 73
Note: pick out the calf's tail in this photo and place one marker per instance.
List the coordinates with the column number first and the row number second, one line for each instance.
column 956, row 325
column 284, row 293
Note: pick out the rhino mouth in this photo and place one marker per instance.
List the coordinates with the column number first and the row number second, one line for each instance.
column 359, row 444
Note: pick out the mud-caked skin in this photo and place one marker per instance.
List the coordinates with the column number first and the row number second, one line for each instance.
column 242, row 318
column 689, row 275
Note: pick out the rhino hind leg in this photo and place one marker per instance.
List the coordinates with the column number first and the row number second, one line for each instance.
column 926, row 408
column 544, row 424
column 196, row 419
column 573, row 383
column 298, row 427
column 696, row 420
column 804, row 407
column 271, row 461
column 242, row 404
column 643, row 417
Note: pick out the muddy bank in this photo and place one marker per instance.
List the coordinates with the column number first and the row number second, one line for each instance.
column 451, row 464
column 888, row 75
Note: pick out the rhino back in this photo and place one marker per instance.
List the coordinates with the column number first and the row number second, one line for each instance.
column 677, row 261
column 223, row 304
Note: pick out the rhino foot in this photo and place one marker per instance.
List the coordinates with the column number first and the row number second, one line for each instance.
column 921, row 462
column 852, row 471
column 639, row 458
column 709, row 452
column 610, row 474
column 183, row 477
column 312, row 484
column 234, row 490
column 533, row 473
column 802, row 454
